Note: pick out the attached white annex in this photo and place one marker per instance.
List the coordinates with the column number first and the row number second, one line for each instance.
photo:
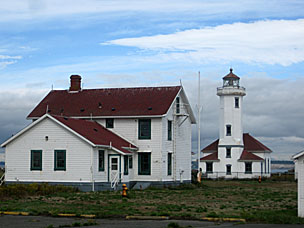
column 234, row 154
column 299, row 167
column 97, row 139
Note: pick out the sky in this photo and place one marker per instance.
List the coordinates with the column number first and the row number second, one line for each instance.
column 154, row 43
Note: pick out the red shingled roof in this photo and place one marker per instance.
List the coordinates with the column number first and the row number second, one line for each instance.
column 142, row 101
column 247, row 156
column 211, row 157
column 96, row 133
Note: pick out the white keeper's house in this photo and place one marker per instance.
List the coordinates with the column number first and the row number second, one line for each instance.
column 299, row 168
column 97, row 139
column 234, row 154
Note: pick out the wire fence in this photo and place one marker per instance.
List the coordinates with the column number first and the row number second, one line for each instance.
column 286, row 176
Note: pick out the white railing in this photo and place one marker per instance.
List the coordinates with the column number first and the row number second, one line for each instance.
column 2, row 179
column 114, row 181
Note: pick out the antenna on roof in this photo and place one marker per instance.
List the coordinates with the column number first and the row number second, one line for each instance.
column 180, row 81
column 52, row 87
column 47, row 108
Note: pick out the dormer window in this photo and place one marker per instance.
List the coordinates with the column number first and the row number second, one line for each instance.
column 110, row 123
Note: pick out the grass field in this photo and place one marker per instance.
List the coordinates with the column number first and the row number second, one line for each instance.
column 266, row 202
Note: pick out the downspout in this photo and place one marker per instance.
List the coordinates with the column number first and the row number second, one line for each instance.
column 92, row 173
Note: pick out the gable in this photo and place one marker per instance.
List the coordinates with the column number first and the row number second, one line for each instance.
column 142, row 101
column 88, row 131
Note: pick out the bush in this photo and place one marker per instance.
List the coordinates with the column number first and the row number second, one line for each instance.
column 24, row 190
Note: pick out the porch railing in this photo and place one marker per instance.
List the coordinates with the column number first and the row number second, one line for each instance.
column 2, row 179
column 115, row 181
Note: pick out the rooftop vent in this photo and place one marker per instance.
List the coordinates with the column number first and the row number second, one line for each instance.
column 150, row 108
column 99, row 105
column 113, row 109
column 95, row 129
column 82, row 110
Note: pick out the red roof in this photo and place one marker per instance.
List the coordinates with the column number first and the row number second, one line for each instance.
column 250, row 144
column 96, row 133
column 142, row 101
column 247, row 156
column 231, row 75
column 211, row 147
column 211, row 157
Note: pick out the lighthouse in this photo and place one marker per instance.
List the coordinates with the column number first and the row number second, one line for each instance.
column 230, row 145
column 234, row 154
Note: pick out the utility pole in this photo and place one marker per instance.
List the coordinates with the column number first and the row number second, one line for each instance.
column 199, row 122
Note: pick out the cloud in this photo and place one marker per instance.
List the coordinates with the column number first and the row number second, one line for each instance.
column 10, row 57
column 268, row 42
column 4, row 64
column 43, row 9
column 15, row 106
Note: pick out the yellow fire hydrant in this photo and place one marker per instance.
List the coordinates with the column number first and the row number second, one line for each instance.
column 124, row 190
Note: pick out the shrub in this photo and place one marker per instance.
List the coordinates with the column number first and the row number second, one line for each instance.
column 25, row 190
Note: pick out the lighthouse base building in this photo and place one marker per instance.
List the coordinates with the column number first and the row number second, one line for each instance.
column 234, row 154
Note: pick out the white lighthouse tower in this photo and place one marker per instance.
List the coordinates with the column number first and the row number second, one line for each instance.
column 231, row 143
column 234, row 154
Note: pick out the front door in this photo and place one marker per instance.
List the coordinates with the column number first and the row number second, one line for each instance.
column 114, row 168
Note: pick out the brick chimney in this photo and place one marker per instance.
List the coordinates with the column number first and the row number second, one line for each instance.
column 75, row 83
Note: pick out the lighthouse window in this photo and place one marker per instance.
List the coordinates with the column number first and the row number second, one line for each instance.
column 228, row 169
column 228, row 130
column 228, row 152
column 236, row 102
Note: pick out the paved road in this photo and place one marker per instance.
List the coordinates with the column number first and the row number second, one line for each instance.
column 43, row 222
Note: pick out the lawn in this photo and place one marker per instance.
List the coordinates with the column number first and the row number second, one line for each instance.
column 266, row 202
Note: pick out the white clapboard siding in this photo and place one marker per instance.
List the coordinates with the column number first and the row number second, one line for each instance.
column 128, row 129
column 182, row 138
column 300, row 164
column 78, row 155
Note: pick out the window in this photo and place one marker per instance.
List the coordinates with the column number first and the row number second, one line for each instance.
column 144, row 163
column 110, row 123
column 236, row 102
column 177, row 105
column 36, row 159
column 228, row 169
column 209, row 167
column 248, row 167
column 144, row 129
column 228, row 130
column 130, row 162
column 169, row 130
column 60, row 160
column 169, row 164
column 126, row 165
column 101, row 160
column 228, row 152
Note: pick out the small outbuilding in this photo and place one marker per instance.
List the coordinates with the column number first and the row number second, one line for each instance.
column 299, row 167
